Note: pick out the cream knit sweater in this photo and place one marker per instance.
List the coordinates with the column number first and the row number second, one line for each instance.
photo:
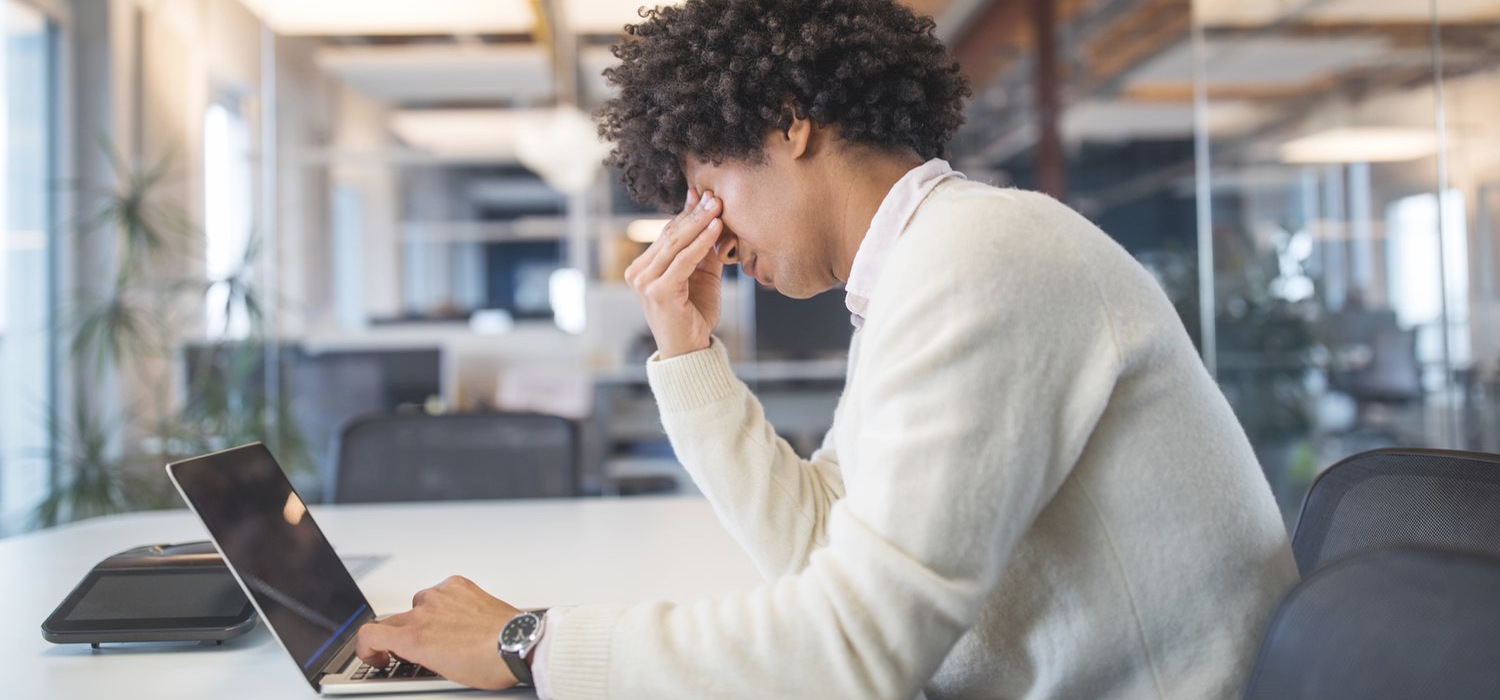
column 1032, row 489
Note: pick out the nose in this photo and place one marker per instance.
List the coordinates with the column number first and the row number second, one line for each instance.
column 728, row 248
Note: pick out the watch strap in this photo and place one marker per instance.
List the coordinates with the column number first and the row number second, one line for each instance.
column 518, row 667
column 516, row 661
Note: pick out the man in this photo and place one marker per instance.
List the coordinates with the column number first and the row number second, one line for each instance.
column 1032, row 488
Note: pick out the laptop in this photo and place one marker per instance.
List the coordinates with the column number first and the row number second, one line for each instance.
column 289, row 572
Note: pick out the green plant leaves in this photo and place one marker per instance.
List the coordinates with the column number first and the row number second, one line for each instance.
column 102, row 464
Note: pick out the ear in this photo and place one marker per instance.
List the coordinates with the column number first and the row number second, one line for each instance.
column 798, row 137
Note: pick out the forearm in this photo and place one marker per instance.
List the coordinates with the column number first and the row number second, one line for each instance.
column 862, row 620
column 774, row 503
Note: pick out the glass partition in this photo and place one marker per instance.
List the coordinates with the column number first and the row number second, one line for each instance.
column 26, row 268
column 1345, row 190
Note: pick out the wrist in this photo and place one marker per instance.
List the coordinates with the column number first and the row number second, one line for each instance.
column 667, row 351
column 518, row 641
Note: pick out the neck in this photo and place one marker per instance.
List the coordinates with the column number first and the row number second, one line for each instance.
column 870, row 179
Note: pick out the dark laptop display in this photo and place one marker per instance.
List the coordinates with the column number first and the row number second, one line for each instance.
column 261, row 525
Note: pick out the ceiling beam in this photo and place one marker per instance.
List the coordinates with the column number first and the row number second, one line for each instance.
column 544, row 14
column 1151, row 28
column 1475, row 35
column 552, row 32
column 986, row 47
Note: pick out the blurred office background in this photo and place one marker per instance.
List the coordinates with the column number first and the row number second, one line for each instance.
column 375, row 233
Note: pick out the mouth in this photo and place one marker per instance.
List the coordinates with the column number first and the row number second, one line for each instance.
column 750, row 270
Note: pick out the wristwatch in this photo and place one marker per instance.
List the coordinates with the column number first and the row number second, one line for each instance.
column 517, row 639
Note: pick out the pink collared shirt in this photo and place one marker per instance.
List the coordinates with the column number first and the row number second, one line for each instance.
column 890, row 220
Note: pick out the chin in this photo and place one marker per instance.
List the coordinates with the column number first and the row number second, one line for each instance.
column 797, row 291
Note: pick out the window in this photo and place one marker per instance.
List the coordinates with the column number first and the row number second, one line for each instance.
column 1419, row 258
column 26, row 282
column 227, row 217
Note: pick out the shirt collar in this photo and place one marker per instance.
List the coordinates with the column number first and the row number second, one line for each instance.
column 890, row 220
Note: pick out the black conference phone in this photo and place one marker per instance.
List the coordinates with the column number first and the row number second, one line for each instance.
column 156, row 593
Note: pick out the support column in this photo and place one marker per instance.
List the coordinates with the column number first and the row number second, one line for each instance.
column 1051, row 164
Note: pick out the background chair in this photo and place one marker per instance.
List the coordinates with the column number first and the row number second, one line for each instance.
column 1400, row 623
column 468, row 456
column 1400, row 497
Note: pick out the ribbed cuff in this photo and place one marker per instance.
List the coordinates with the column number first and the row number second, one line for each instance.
column 578, row 660
column 539, row 669
column 693, row 380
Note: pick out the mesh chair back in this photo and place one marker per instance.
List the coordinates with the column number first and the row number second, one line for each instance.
column 1436, row 499
column 1400, row 623
column 455, row 457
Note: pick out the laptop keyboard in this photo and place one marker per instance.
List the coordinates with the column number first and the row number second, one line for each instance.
column 395, row 669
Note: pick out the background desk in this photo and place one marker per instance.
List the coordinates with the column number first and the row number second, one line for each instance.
column 575, row 551
column 799, row 398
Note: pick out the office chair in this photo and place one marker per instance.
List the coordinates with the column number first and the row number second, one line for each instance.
column 1391, row 373
column 1394, row 374
column 1400, row 497
column 1389, row 624
column 1377, row 367
column 465, row 456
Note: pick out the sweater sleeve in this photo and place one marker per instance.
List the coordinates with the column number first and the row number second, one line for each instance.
column 986, row 362
column 773, row 503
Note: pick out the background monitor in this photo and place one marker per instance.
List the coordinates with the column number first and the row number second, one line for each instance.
column 801, row 329
column 323, row 389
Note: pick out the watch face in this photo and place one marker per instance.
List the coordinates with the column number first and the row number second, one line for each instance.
column 519, row 630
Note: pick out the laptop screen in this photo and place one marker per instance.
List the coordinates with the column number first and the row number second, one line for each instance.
column 278, row 552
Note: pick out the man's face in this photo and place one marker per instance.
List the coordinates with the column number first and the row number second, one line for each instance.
column 773, row 223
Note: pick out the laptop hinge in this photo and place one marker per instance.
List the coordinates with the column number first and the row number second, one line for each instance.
column 340, row 658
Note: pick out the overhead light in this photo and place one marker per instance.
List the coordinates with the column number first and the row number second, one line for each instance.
column 563, row 147
column 438, row 73
column 1361, row 144
column 605, row 16
column 394, row 17
column 464, row 133
column 645, row 230
column 561, row 144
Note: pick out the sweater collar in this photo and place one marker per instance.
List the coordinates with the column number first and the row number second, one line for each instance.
column 890, row 220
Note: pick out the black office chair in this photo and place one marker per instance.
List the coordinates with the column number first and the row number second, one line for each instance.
column 1391, row 373
column 1390, row 624
column 1438, row 499
column 465, row 456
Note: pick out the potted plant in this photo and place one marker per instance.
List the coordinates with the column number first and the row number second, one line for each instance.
column 109, row 463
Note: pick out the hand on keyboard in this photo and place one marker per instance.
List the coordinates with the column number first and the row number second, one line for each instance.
column 396, row 668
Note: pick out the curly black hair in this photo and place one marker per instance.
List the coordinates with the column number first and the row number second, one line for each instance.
column 709, row 79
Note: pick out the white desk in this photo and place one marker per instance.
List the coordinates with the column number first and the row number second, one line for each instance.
column 576, row 551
